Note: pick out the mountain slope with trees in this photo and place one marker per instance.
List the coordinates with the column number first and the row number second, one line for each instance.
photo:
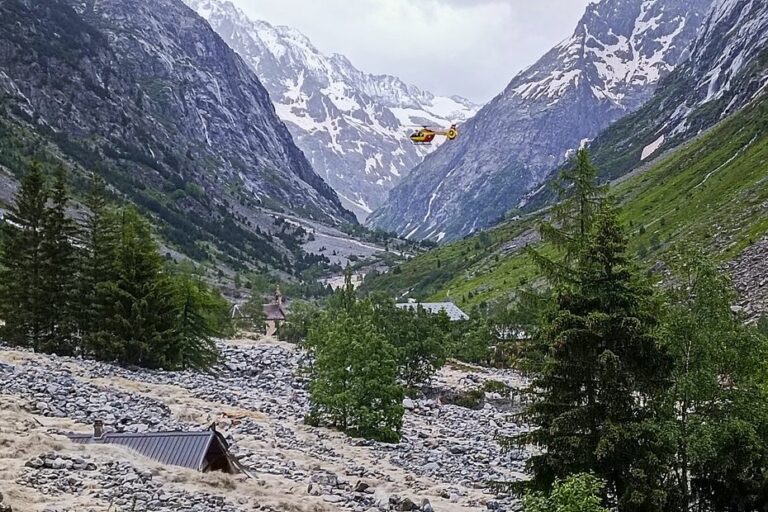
column 146, row 95
column 710, row 194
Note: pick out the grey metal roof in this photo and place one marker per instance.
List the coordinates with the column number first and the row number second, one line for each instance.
column 451, row 309
column 186, row 449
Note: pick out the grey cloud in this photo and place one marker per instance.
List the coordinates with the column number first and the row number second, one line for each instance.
column 466, row 47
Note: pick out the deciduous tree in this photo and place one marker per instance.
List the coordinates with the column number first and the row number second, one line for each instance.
column 718, row 402
column 577, row 493
column 354, row 376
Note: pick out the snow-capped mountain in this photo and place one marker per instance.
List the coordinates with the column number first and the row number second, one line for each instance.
column 725, row 67
column 724, row 70
column 608, row 68
column 353, row 126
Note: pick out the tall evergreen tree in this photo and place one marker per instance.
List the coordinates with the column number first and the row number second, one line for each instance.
column 98, row 262
column 196, row 325
column 594, row 398
column 567, row 231
column 580, row 201
column 23, row 298
column 141, row 316
column 59, row 271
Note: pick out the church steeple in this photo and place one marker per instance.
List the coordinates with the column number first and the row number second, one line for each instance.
column 278, row 295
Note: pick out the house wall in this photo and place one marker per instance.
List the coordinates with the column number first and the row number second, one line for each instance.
column 271, row 327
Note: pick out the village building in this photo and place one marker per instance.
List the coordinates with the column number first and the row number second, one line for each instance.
column 451, row 309
column 275, row 313
column 202, row 451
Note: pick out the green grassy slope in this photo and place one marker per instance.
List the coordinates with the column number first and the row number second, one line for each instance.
column 461, row 268
column 712, row 193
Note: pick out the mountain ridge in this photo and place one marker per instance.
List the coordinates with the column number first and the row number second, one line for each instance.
column 605, row 70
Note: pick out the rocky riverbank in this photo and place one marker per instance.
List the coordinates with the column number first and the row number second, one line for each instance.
column 257, row 397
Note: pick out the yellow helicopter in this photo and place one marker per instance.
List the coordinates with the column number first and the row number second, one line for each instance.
column 426, row 135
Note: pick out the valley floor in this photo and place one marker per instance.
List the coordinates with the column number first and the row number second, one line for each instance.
column 257, row 400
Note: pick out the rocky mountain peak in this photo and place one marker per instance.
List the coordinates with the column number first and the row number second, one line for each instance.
column 353, row 126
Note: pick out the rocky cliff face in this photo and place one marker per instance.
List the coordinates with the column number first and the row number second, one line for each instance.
column 608, row 68
column 149, row 95
column 728, row 59
column 726, row 68
column 353, row 126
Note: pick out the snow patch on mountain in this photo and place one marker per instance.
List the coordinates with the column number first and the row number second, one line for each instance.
column 651, row 148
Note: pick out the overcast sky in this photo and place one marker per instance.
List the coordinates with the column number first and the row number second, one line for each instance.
column 466, row 47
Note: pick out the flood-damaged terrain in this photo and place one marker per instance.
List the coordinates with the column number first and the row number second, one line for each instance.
column 257, row 398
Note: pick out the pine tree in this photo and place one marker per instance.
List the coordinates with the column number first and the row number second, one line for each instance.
column 571, row 219
column 196, row 327
column 593, row 400
column 97, row 262
column 23, row 298
column 59, row 272
column 141, row 314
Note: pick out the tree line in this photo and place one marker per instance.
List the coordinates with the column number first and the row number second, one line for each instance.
column 642, row 399
column 99, row 287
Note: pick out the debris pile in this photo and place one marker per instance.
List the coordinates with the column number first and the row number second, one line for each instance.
column 448, row 454
column 117, row 484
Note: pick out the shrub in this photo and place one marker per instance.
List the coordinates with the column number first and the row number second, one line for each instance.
column 470, row 399
column 496, row 386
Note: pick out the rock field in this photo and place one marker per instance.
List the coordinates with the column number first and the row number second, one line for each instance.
column 257, row 397
column 750, row 277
